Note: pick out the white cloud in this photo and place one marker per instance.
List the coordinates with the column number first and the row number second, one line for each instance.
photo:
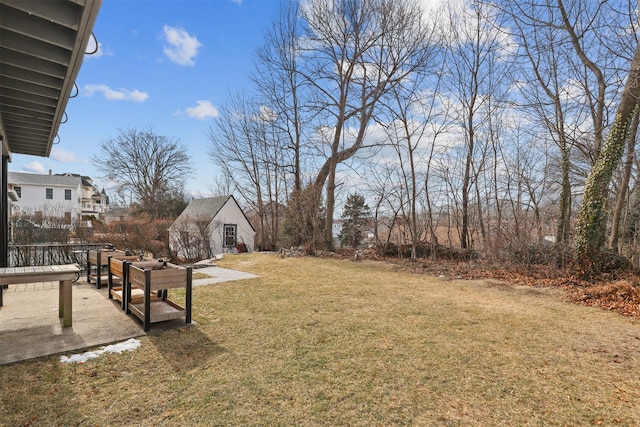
column 34, row 167
column 431, row 5
column 203, row 110
column 181, row 47
column 96, row 52
column 63, row 156
column 267, row 114
column 116, row 95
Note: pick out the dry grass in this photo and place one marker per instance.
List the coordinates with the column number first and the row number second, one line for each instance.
column 199, row 275
column 334, row 342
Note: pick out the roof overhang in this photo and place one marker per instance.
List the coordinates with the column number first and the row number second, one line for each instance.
column 42, row 45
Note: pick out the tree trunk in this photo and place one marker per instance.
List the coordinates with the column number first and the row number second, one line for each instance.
column 330, row 206
column 624, row 186
column 466, row 186
column 564, row 206
column 590, row 230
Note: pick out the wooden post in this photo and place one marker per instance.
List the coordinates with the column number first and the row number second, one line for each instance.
column 65, row 310
column 126, row 290
column 98, row 268
column 109, row 278
column 60, row 300
column 88, row 267
column 147, row 300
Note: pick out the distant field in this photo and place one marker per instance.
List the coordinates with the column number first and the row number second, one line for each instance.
column 334, row 342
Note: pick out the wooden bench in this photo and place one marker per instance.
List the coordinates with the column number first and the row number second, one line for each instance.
column 64, row 274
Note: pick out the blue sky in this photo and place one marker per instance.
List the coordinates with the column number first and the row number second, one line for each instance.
column 163, row 64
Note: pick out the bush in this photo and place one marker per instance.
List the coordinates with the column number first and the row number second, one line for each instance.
column 540, row 254
column 138, row 235
column 425, row 250
column 609, row 262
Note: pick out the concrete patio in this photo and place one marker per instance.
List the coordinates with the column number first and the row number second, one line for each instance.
column 30, row 327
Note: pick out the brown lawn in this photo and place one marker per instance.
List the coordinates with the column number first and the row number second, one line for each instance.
column 335, row 342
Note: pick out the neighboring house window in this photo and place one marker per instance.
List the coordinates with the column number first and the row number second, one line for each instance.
column 67, row 217
column 230, row 235
column 49, row 193
column 18, row 191
column 67, row 194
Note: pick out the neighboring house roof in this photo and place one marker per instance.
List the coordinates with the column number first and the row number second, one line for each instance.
column 21, row 178
column 86, row 180
column 206, row 209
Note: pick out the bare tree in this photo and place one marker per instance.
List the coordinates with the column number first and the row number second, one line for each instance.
column 246, row 144
column 478, row 75
column 542, row 46
column 623, row 188
column 383, row 187
column 590, row 225
column 356, row 51
column 417, row 120
column 279, row 86
column 563, row 42
column 147, row 168
column 222, row 185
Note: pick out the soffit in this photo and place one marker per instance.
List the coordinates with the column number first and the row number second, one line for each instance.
column 42, row 45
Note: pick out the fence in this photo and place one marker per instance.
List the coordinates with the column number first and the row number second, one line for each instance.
column 52, row 253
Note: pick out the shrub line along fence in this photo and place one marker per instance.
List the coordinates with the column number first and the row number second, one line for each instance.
column 52, row 253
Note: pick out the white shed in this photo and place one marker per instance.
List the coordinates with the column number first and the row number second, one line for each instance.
column 211, row 226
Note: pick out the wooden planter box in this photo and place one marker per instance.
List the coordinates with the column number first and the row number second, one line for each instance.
column 160, row 280
column 99, row 259
column 118, row 269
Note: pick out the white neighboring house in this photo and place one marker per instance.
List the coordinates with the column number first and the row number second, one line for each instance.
column 94, row 202
column 211, row 226
column 45, row 196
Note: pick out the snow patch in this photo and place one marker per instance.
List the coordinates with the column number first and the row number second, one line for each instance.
column 129, row 345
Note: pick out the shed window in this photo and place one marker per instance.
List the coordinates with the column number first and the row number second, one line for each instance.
column 230, row 232
column 49, row 193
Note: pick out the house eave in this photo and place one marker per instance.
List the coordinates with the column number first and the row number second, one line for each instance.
column 42, row 46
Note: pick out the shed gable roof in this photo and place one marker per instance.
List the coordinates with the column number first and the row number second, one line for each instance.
column 205, row 209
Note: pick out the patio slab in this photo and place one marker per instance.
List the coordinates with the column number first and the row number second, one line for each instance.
column 30, row 326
